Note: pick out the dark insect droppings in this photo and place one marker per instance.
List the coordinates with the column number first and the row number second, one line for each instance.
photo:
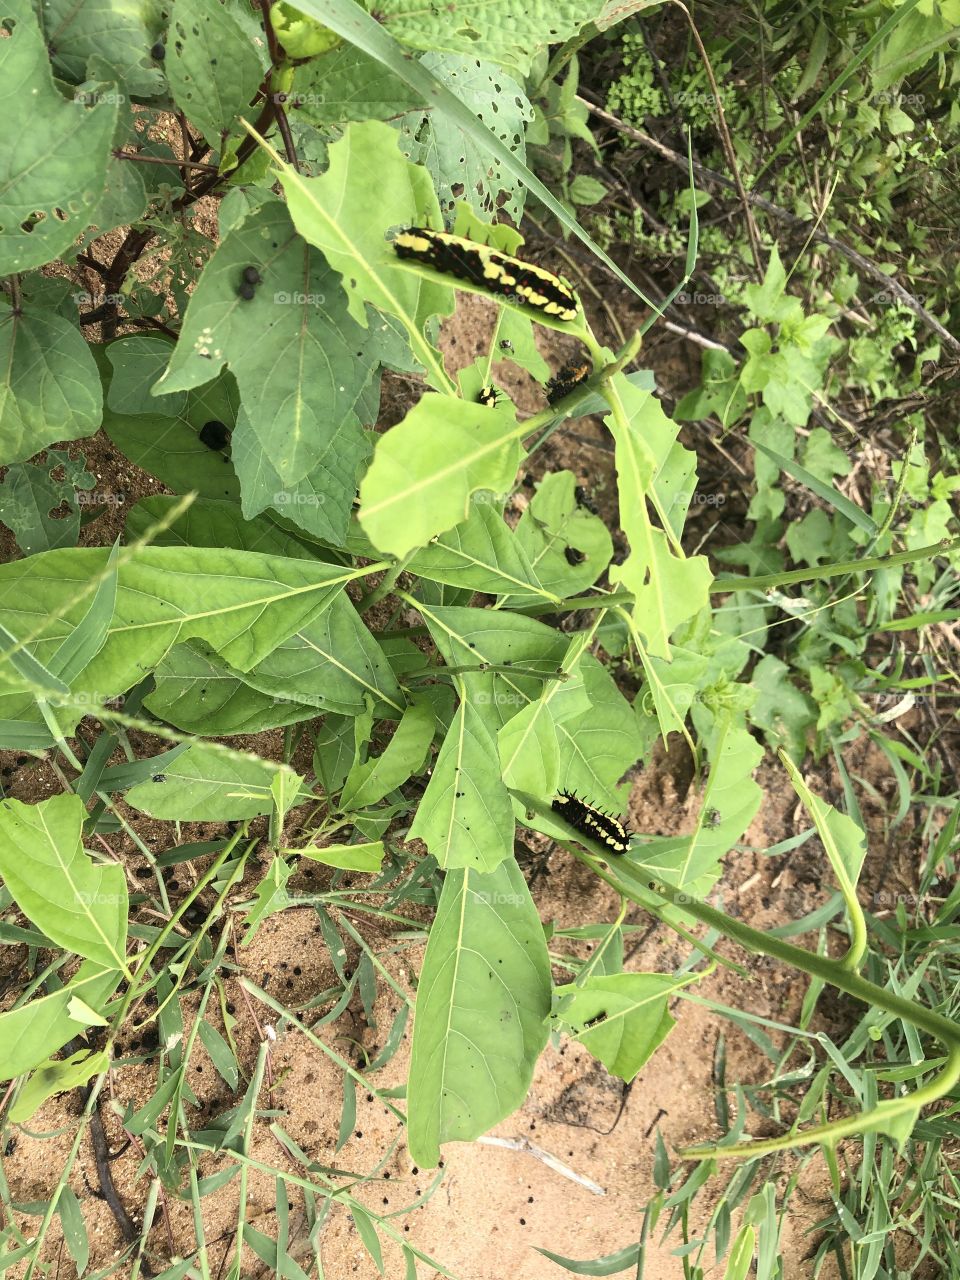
column 252, row 276
column 215, row 434
column 158, row 51
column 573, row 556
column 246, row 290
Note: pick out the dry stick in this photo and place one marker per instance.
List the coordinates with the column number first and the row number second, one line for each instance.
column 727, row 143
column 524, row 1144
column 710, row 176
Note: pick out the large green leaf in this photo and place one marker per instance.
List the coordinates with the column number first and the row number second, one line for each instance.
column 212, row 66
column 415, row 490
column 482, row 1005
column 85, row 39
column 300, row 361
column 53, row 159
column 241, row 603
column 208, row 783
column 507, row 33
column 465, row 817
column 335, row 213
column 461, row 168
column 50, row 388
column 331, row 664
column 78, row 903
column 484, row 554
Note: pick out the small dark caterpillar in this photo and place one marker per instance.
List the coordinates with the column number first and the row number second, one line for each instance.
column 583, row 499
column 488, row 269
column 590, row 821
column 566, row 380
column 489, row 396
column 573, row 555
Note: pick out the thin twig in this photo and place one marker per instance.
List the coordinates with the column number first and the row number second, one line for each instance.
column 538, row 1153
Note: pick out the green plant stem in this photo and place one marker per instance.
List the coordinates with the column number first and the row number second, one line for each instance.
column 722, row 585
column 886, row 1116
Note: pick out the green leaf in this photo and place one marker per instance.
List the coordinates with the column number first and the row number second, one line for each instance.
column 74, row 142
column 507, row 35
column 731, row 800
column 271, row 896
column 529, row 744
column 634, row 1019
column 404, row 755
column 109, row 34
column 415, row 490
column 78, row 903
column 553, row 522
column 610, row 1265
column 210, row 783
column 347, row 857
column 40, row 1027
column 56, row 1076
column 668, row 587
column 50, row 388
column 300, row 361
column 482, row 1003
column 30, row 497
column 334, row 213
column 212, row 66
column 465, row 817
column 74, row 1228
column 331, row 664
column 586, row 190
column 825, row 491
column 462, row 168
column 242, row 603
column 171, row 450
column 484, row 554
